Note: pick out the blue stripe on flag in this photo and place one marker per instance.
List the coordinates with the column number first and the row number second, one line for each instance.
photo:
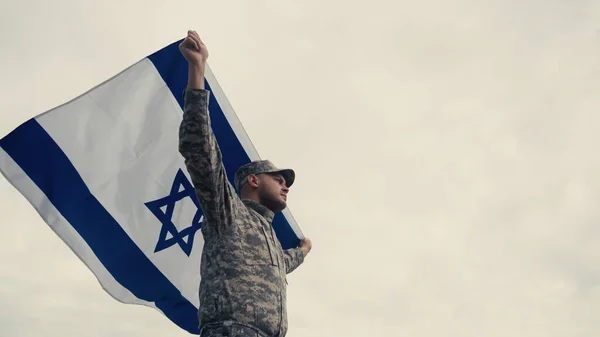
column 173, row 68
column 32, row 148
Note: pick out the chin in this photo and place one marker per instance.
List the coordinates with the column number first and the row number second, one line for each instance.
column 277, row 205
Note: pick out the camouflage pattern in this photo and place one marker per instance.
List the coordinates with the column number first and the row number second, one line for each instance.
column 243, row 269
column 262, row 166
column 231, row 329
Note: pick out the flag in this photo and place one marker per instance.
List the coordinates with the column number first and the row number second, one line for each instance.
column 104, row 172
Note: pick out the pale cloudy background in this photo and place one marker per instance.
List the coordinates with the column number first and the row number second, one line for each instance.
column 447, row 157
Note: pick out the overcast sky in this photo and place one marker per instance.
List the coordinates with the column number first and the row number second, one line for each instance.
column 446, row 152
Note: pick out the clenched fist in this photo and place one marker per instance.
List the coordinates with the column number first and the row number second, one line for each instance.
column 305, row 246
column 193, row 49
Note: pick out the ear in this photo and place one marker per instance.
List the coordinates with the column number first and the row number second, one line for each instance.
column 253, row 180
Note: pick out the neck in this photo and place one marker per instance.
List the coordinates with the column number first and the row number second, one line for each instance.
column 260, row 209
column 251, row 195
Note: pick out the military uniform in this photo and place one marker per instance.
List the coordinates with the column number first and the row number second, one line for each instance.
column 243, row 269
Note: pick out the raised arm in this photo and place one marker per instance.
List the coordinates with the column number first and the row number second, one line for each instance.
column 197, row 143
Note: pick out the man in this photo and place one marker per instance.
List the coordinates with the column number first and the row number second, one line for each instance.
column 243, row 271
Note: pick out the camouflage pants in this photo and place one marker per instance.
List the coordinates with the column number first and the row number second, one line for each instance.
column 230, row 329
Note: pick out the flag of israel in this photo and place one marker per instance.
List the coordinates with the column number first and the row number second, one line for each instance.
column 104, row 172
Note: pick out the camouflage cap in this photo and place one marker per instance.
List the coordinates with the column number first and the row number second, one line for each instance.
column 262, row 166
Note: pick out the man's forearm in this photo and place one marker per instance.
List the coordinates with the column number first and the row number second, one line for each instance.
column 196, row 76
column 293, row 257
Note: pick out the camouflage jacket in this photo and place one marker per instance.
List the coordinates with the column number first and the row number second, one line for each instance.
column 243, row 266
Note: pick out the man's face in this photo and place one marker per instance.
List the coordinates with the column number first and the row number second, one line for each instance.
column 273, row 191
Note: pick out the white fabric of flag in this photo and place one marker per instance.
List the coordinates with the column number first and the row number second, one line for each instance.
column 104, row 172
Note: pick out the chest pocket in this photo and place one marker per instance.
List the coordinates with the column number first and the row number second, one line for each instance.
column 257, row 246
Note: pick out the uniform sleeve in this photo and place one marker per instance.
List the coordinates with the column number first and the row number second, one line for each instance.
column 199, row 148
column 293, row 258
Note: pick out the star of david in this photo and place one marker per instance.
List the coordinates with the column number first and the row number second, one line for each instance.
column 163, row 210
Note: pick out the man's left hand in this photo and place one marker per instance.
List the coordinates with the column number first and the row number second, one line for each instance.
column 305, row 246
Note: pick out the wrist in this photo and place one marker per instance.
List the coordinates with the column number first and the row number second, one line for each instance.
column 196, row 75
column 197, row 69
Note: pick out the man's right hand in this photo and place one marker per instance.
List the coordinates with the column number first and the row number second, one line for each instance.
column 194, row 51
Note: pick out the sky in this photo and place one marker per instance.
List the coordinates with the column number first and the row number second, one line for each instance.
column 446, row 157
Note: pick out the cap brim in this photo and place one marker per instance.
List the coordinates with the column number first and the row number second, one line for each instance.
column 288, row 174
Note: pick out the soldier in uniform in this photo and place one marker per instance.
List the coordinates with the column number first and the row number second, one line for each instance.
column 243, row 270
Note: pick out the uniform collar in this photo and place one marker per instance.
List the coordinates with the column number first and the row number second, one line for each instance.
column 260, row 209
